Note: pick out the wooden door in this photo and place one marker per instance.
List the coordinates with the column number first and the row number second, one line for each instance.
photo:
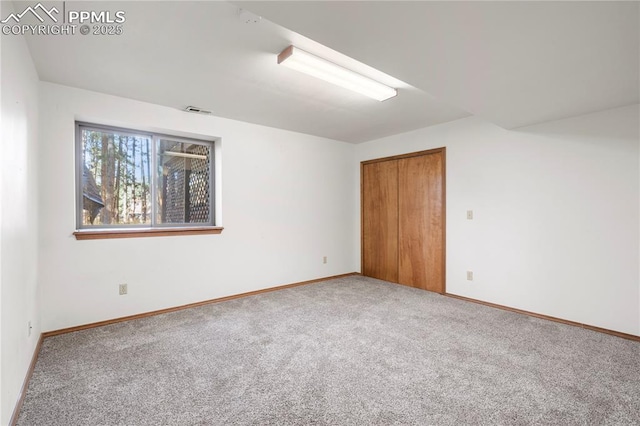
column 421, row 221
column 380, row 220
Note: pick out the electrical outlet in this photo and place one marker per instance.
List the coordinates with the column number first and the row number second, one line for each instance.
column 469, row 214
column 30, row 327
column 470, row 275
column 123, row 289
column 324, row 259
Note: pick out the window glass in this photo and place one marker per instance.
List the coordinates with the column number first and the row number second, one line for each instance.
column 183, row 180
column 118, row 187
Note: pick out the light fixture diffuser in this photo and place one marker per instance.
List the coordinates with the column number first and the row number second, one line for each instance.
column 305, row 62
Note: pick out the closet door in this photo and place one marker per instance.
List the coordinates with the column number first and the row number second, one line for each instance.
column 421, row 221
column 380, row 220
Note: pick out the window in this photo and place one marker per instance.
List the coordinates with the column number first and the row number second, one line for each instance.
column 129, row 181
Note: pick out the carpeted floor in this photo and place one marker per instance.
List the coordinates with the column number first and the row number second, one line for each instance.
column 350, row 351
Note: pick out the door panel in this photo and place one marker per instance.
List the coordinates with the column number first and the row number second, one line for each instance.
column 380, row 220
column 421, row 222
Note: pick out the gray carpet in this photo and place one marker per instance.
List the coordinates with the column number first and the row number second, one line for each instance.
column 350, row 351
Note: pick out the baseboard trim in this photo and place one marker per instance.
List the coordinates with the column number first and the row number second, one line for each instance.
column 190, row 305
column 549, row 318
column 25, row 384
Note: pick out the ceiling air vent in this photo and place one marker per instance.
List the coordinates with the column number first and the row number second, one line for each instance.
column 197, row 110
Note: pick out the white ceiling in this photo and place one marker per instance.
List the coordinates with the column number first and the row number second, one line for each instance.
column 511, row 63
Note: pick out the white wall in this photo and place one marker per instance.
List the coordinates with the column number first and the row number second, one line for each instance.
column 556, row 209
column 18, row 218
column 286, row 203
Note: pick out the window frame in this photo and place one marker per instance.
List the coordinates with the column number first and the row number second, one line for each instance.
column 153, row 228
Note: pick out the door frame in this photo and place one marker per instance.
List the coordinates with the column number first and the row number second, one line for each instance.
column 443, row 152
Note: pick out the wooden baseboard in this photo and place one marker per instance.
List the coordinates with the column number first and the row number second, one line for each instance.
column 190, row 305
column 546, row 317
column 25, row 384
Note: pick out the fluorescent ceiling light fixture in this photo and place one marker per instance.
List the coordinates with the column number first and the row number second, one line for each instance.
column 305, row 62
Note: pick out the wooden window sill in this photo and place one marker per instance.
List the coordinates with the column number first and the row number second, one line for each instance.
column 104, row 234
